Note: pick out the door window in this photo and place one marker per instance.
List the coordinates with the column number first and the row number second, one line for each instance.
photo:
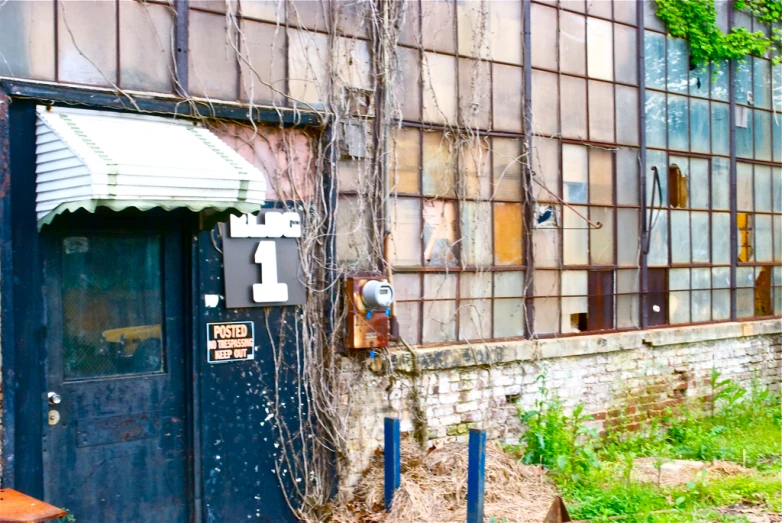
column 112, row 306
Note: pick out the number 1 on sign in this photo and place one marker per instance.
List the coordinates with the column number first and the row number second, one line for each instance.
column 269, row 290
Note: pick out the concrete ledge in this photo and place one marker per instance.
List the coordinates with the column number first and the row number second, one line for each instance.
column 476, row 355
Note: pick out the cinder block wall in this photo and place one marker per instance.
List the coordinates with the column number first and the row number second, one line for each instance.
column 621, row 378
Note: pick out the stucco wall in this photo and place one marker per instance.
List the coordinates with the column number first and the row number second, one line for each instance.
column 619, row 377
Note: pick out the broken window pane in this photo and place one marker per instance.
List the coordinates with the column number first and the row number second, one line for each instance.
column 601, row 241
column 601, row 111
column 405, row 231
column 627, row 176
column 508, row 234
column 678, row 186
column 572, row 39
column 439, row 81
column 601, row 173
column 573, row 103
column 506, row 160
column 574, row 301
column 680, row 236
column 678, row 65
column 678, row 297
column 576, row 234
column 508, row 97
column 574, row 173
column 403, row 165
column 476, row 225
column 628, row 245
column 440, row 223
column 439, row 165
column 699, row 80
column 544, row 43
column 600, row 49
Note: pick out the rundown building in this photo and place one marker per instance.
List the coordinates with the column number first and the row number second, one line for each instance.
column 195, row 193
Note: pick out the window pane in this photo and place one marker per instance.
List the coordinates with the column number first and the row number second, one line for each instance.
column 438, row 23
column 720, row 243
column 546, row 286
column 679, row 301
column 719, row 81
column 600, row 49
column 145, row 47
column 506, row 155
column 573, row 103
column 406, row 86
column 656, row 119
column 508, row 234
column 406, row 231
column 475, row 319
column 627, row 300
column 625, row 47
column 701, row 300
column 678, row 131
column 546, row 246
column 574, row 173
column 507, row 96
column 762, row 130
column 574, row 285
column 440, row 233
column 601, row 241
column 112, row 312
column 776, row 174
column 657, row 193
column 763, row 191
column 627, row 116
column 509, row 284
column 628, row 245
column 575, row 247
column 625, row 12
column 601, row 111
column 743, row 82
column 476, row 233
column 654, row 63
column 699, row 80
column 601, row 174
column 720, row 300
column 763, row 247
column 439, row 321
column 439, row 165
column 720, row 183
column 439, row 81
column 307, row 64
column 699, row 183
column 87, row 42
column 627, row 176
column 744, row 126
column 352, row 239
column 405, row 147
column 544, row 44
column 678, row 65
column 658, row 236
column 263, row 63
column 506, row 30
column 545, row 100
column 720, row 128
column 27, row 39
column 474, row 163
column 762, row 83
column 475, row 93
column 699, row 126
column 700, row 236
column 572, row 40
column 744, row 187
column 680, row 236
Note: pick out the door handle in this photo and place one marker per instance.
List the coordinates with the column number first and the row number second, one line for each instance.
column 54, row 398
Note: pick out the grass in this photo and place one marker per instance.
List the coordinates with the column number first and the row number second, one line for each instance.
column 594, row 474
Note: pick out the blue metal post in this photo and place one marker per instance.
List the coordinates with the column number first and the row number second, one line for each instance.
column 476, row 476
column 392, row 455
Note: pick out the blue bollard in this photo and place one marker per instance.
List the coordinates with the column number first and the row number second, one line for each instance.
column 476, row 476
column 392, row 460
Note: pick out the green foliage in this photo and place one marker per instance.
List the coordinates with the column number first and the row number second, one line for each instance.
column 594, row 474
column 696, row 21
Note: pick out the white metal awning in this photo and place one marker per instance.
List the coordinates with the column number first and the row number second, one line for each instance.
column 90, row 159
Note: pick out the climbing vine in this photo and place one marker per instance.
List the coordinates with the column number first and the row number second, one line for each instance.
column 696, row 21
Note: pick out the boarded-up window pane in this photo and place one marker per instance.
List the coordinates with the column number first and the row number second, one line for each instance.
column 508, row 234
column 600, row 314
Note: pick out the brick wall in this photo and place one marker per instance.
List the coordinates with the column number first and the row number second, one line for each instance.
column 620, row 378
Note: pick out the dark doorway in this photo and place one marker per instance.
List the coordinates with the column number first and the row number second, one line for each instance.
column 116, row 444
column 657, row 297
column 601, row 301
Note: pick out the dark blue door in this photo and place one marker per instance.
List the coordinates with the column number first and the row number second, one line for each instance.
column 115, row 443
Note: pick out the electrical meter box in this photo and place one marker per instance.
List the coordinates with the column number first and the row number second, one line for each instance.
column 369, row 300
